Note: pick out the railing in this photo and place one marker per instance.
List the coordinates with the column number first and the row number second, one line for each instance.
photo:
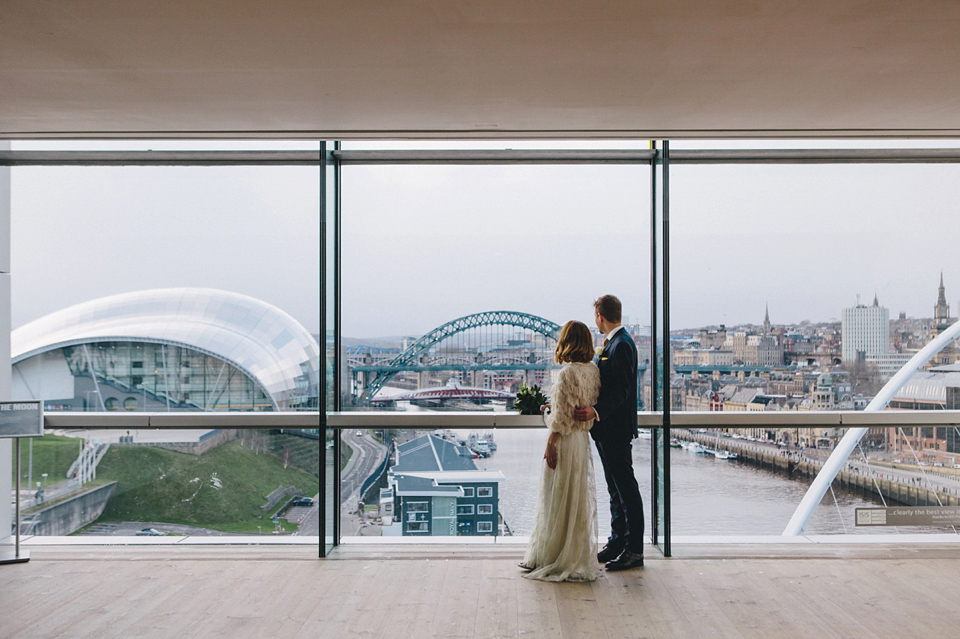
column 181, row 420
column 721, row 419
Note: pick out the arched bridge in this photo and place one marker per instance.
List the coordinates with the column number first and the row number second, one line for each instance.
column 412, row 359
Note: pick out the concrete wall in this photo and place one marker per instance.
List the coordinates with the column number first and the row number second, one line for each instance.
column 73, row 514
column 6, row 511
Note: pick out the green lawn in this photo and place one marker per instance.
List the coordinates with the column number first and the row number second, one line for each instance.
column 52, row 454
column 222, row 489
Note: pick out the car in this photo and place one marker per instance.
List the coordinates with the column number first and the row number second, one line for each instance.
column 359, row 433
column 150, row 532
column 303, row 501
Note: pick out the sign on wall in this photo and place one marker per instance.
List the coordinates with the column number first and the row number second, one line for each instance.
column 21, row 419
column 909, row 516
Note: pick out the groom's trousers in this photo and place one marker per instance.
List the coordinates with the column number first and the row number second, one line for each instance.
column 626, row 505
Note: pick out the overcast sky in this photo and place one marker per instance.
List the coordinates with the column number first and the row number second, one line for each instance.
column 424, row 245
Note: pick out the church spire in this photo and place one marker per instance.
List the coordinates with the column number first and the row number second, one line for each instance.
column 766, row 318
column 941, row 312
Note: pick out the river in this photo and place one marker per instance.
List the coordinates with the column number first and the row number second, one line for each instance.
column 709, row 496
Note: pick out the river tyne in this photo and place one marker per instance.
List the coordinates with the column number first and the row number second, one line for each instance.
column 709, row 496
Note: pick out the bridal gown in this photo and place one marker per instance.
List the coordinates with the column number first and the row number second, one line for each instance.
column 563, row 544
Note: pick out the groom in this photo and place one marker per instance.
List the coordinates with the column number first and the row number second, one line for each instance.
column 616, row 425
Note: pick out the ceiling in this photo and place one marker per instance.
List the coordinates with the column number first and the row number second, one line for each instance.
column 479, row 68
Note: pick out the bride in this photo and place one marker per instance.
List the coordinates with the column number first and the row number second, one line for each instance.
column 563, row 545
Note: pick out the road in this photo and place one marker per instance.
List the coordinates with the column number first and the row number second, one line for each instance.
column 367, row 455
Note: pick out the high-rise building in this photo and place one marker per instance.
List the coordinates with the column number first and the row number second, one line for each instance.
column 865, row 330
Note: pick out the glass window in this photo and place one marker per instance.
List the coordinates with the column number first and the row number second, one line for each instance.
column 514, row 229
column 465, row 510
column 484, row 526
column 484, row 492
column 417, row 506
column 468, row 491
column 485, row 509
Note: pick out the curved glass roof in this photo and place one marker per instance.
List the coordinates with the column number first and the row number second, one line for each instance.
column 261, row 340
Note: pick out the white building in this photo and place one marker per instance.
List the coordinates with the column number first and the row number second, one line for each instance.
column 866, row 330
column 889, row 363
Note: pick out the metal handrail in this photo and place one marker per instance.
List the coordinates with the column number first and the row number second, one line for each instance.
column 181, row 421
column 483, row 419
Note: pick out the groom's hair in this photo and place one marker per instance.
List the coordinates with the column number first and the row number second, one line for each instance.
column 610, row 308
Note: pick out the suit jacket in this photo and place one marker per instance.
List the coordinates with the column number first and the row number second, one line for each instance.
column 617, row 404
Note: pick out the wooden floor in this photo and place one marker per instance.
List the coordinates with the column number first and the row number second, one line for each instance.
column 412, row 592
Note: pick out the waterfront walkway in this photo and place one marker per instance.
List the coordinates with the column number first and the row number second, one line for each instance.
column 940, row 486
column 867, row 590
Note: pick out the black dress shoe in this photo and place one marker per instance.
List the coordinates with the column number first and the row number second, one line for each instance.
column 626, row 560
column 608, row 554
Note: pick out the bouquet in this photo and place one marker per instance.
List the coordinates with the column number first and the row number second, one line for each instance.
column 529, row 400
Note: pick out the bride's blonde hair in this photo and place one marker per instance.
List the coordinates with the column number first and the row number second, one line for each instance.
column 575, row 343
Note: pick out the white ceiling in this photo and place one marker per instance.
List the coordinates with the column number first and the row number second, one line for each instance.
column 479, row 68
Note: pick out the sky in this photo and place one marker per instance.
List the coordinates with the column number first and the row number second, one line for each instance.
column 424, row 245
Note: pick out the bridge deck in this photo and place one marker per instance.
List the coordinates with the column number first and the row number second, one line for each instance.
column 876, row 590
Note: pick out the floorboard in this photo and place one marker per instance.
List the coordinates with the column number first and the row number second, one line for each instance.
column 869, row 592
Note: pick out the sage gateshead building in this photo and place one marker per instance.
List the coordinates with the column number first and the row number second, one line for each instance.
column 183, row 349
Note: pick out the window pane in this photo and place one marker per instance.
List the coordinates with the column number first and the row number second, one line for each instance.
column 806, row 287
column 455, row 279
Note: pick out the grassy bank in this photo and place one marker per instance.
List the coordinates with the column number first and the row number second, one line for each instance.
column 222, row 489
column 52, row 454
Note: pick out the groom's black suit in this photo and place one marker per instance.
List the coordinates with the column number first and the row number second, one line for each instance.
column 617, row 426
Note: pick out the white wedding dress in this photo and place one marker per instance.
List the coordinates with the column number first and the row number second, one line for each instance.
column 563, row 545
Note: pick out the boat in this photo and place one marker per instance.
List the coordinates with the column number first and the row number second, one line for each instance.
column 723, row 454
column 675, row 443
column 479, row 445
column 694, row 447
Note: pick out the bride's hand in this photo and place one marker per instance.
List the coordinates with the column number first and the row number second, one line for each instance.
column 551, row 455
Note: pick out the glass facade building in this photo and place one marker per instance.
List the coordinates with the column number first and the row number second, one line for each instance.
column 168, row 349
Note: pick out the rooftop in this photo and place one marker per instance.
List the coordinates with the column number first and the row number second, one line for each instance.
column 430, row 453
